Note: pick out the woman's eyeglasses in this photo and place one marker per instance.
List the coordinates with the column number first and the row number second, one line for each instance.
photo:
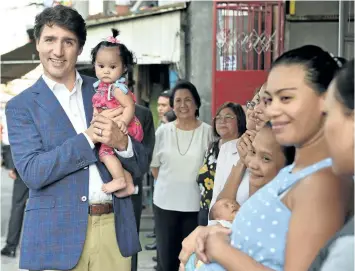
column 226, row 118
column 251, row 104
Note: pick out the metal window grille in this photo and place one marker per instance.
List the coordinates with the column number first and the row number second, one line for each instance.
column 249, row 34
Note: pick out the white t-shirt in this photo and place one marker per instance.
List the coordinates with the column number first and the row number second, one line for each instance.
column 227, row 158
column 176, row 188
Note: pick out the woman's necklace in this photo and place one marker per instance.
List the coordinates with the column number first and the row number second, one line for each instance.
column 177, row 141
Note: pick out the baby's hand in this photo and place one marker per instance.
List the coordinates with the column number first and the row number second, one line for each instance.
column 123, row 127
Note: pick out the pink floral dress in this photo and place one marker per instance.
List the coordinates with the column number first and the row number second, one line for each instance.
column 104, row 99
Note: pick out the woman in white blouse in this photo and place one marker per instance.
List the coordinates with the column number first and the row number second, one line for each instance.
column 177, row 158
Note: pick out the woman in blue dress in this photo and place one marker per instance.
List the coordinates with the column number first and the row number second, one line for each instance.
column 284, row 224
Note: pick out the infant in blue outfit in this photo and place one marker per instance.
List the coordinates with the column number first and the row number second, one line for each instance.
column 223, row 213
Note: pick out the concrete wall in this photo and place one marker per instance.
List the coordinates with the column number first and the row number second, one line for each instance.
column 323, row 34
column 199, row 52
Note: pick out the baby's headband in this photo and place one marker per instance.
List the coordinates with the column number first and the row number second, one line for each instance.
column 112, row 40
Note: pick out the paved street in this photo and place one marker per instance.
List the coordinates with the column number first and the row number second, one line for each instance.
column 145, row 262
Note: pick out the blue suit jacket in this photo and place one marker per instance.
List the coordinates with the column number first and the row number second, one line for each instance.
column 52, row 159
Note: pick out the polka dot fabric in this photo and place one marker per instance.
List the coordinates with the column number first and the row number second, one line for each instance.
column 260, row 227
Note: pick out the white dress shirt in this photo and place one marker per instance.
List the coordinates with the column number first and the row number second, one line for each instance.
column 227, row 158
column 73, row 105
column 4, row 135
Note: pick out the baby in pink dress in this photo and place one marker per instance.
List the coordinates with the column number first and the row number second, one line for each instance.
column 112, row 60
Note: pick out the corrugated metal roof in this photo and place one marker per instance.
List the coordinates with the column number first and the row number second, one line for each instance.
column 144, row 13
column 153, row 40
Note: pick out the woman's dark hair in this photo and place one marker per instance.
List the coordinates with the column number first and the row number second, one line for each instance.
column 214, row 146
column 170, row 116
column 183, row 84
column 320, row 65
column 257, row 90
column 344, row 82
column 126, row 55
column 289, row 151
column 64, row 17
column 240, row 117
column 241, row 124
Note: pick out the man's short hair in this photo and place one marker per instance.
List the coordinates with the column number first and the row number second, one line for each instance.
column 170, row 116
column 165, row 94
column 62, row 16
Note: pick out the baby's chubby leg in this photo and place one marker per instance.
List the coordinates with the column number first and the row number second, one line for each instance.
column 114, row 166
column 129, row 189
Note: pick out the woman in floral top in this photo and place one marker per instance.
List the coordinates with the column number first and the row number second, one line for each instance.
column 228, row 124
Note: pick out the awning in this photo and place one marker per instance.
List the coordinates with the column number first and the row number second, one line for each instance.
column 18, row 62
column 25, row 59
column 154, row 38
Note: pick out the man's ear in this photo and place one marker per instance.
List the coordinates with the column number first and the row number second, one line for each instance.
column 80, row 50
column 37, row 44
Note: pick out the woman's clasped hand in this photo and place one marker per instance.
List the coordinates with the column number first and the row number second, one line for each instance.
column 203, row 241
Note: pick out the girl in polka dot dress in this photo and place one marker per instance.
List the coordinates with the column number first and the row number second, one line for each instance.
column 284, row 224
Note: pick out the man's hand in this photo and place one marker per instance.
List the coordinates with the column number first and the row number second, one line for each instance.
column 12, row 174
column 113, row 114
column 95, row 112
column 106, row 131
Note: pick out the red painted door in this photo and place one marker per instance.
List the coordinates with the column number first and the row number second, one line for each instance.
column 247, row 36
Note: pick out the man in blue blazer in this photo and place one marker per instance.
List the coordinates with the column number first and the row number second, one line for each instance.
column 70, row 224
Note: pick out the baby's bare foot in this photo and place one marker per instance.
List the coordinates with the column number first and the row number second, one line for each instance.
column 129, row 190
column 114, row 185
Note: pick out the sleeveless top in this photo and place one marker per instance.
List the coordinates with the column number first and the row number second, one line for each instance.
column 261, row 225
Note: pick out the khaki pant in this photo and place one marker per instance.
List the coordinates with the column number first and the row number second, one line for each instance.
column 101, row 251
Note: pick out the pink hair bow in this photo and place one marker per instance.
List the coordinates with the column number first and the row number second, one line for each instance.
column 112, row 40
